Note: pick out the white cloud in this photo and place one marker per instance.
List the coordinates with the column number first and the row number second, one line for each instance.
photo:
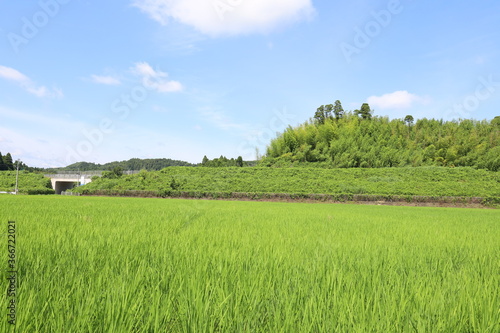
column 108, row 80
column 220, row 120
column 145, row 69
column 397, row 100
column 169, row 86
column 12, row 74
column 228, row 17
column 156, row 79
column 27, row 84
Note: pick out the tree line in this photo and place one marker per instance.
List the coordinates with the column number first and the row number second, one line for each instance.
column 334, row 138
column 223, row 161
column 151, row 164
column 6, row 162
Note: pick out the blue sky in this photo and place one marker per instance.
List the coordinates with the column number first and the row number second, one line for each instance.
column 101, row 81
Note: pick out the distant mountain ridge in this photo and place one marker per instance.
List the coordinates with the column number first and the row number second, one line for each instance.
column 150, row 164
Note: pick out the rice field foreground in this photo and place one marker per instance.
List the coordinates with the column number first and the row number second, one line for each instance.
column 87, row 264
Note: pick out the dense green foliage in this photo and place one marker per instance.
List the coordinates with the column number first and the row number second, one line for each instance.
column 132, row 164
column 223, row 162
column 329, row 111
column 375, row 142
column 29, row 183
column 427, row 181
column 154, row 265
column 6, row 162
column 117, row 172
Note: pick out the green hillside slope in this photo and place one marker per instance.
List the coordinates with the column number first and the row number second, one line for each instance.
column 29, row 183
column 425, row 181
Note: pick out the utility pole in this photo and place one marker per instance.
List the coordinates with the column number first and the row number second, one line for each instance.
column 17, row 176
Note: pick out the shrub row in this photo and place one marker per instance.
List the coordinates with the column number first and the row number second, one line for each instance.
column 39, row 191
column 343, row 197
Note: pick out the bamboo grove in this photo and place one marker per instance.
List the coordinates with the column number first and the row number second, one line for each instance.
column 355, row 140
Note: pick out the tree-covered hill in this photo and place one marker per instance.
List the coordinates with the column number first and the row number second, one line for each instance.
column 132, row 164
column 357, row 139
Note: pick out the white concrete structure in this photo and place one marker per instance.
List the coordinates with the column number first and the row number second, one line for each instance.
column 64, row 182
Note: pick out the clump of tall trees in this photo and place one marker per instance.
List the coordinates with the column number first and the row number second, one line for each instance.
column 223, row 161
column 358, row 139
column 6, row 162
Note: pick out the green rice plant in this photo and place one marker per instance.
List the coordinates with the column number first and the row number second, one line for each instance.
column 99, row 264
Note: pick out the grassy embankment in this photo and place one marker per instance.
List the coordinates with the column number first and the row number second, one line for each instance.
column 398, row 184
column 29, row 183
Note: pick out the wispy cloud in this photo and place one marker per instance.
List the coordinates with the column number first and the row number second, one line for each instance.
column 160, row 109
column 27, row 84
column 107, row 80
column 397, row 100
column 220, row 120
column 217, row 17
column 156, row 79
column 50, row 122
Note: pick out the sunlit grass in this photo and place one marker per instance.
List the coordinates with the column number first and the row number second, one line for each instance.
column 153, row 265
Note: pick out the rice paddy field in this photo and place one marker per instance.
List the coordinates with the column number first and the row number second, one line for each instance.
column 96, row 264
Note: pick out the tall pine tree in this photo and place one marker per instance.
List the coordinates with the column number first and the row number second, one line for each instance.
column 3, row 167
column 365, row 112
column 7, row 159
column 338, row 110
